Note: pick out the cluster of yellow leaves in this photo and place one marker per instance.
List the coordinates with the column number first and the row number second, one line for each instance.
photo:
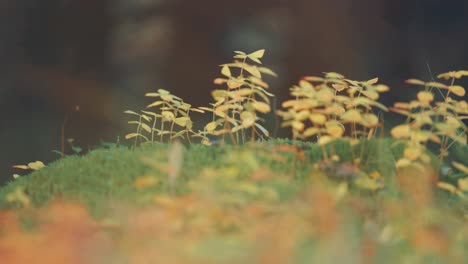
column 36, row 165
column 171, row 110
column 324, row 106
column 429, row 119
column 236, row 107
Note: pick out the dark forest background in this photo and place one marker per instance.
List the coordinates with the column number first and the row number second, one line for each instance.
column 103, row 55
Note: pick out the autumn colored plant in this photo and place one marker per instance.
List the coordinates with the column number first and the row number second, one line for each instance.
column 237, row 107
column 436, row 115
column 333, row 107
column 171, row 111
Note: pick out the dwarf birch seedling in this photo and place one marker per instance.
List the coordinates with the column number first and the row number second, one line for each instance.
column 140, row 125
column 237, row 107
column 431, row 119
column 325, row 106
column 172, row 113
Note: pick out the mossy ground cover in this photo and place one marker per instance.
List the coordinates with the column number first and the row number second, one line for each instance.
column 270, row 202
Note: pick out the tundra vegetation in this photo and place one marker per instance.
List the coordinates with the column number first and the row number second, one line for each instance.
column 340, row 190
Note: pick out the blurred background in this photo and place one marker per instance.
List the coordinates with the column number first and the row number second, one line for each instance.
column 79, row 64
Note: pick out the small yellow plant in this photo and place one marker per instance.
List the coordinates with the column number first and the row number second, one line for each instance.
column 328, row 106
column 36, row 165
column 171, row 111
column 237, row 107
column 430, row 119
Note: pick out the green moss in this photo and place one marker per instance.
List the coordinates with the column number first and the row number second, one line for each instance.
column 105, row 175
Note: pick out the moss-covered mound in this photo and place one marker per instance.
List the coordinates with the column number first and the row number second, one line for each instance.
column 272, row 202
column 110, row 173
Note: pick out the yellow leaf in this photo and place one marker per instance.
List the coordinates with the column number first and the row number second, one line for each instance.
column 401, row 163
column 370, row 120
column 317, row 118
column 326, row 95
column 311, row 131
column 415, row 82
column 167, row 97
column 412, row 153
column 210, row 127
column 333, row 75
column 233, row 84
column 447, row 187
column 421, row 135
column 436, row 85
column 339, row 87
column 131, row 113
column 257, row 54
column 248, row 119
column 145, row 127
column 252, row 70
column 334, row 129
column 371, row 94
column 302, row 115
column 23, row 167
column 182, row 121
column 457, row 90
column 372, row 81
column 313, row 79
column 259, row 82
column 297, row 125
column 145, row 181
column 131, row 135
column 425, row 97
column 167, row 115
column 306, row 85
column 452, row 74
column 463, row 184
column 382, row 88
column 401, row 131
column 267, row 71
column 155, row 104
column 460, row 167
column 163, row 92
column 37, row 165
column 261, row 107
column 452, row 121
column 352, row 115
column 219, row 81
column 226, row 71
column 323, row 140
